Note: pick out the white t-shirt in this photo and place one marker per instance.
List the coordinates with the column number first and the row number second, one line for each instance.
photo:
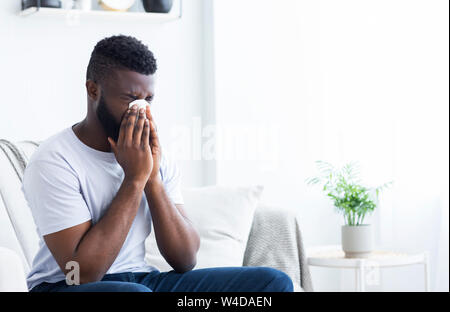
column 67, row 183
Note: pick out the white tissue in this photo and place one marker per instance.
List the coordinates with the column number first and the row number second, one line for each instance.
column 140, row 104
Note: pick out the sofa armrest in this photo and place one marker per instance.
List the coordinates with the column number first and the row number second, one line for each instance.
column 275, row 241
column 12, row 275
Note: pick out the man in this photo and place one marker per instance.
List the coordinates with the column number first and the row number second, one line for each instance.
column 96, row 187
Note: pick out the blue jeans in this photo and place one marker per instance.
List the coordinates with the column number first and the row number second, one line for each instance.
column 223, row 279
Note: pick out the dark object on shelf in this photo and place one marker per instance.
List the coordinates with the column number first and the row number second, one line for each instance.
column 157, row 6
column 41, row 3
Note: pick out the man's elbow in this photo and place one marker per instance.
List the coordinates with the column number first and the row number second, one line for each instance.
column 186, row 265
column 77, row 271
column 89, row 278
column 85, row 273
column 183, row 269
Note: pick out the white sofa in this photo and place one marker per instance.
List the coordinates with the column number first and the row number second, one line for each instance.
column 274, row 238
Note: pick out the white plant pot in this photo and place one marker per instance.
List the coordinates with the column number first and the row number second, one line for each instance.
column 357, row 240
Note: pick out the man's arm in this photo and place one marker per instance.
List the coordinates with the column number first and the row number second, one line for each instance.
column 176, row 237
column 96, row 247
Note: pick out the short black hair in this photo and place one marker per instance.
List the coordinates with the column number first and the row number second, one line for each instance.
column 119, row 52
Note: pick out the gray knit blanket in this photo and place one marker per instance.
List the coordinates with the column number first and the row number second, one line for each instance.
column 276, row 241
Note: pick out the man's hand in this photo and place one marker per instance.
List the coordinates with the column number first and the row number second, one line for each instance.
column 132, row 149
column 154, row 146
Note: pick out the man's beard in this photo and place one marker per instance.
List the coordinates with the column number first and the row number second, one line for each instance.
column 107, row 120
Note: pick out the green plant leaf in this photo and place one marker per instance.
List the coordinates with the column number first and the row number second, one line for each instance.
column 343, row 186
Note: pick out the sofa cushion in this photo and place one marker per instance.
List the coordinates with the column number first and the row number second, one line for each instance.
column 223, row 217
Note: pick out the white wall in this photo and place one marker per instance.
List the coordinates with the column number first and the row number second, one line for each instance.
column 43, row 64
column 340, row 81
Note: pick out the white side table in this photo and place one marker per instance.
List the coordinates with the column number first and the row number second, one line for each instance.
column 365, row 268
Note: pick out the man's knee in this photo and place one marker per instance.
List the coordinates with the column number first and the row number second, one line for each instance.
column 279, row 281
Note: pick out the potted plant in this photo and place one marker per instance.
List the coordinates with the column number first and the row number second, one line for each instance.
column 354, row 201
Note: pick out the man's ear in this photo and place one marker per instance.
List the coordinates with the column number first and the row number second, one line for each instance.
column 93, row 90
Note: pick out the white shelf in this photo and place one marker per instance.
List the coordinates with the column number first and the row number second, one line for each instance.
column 52, row 12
